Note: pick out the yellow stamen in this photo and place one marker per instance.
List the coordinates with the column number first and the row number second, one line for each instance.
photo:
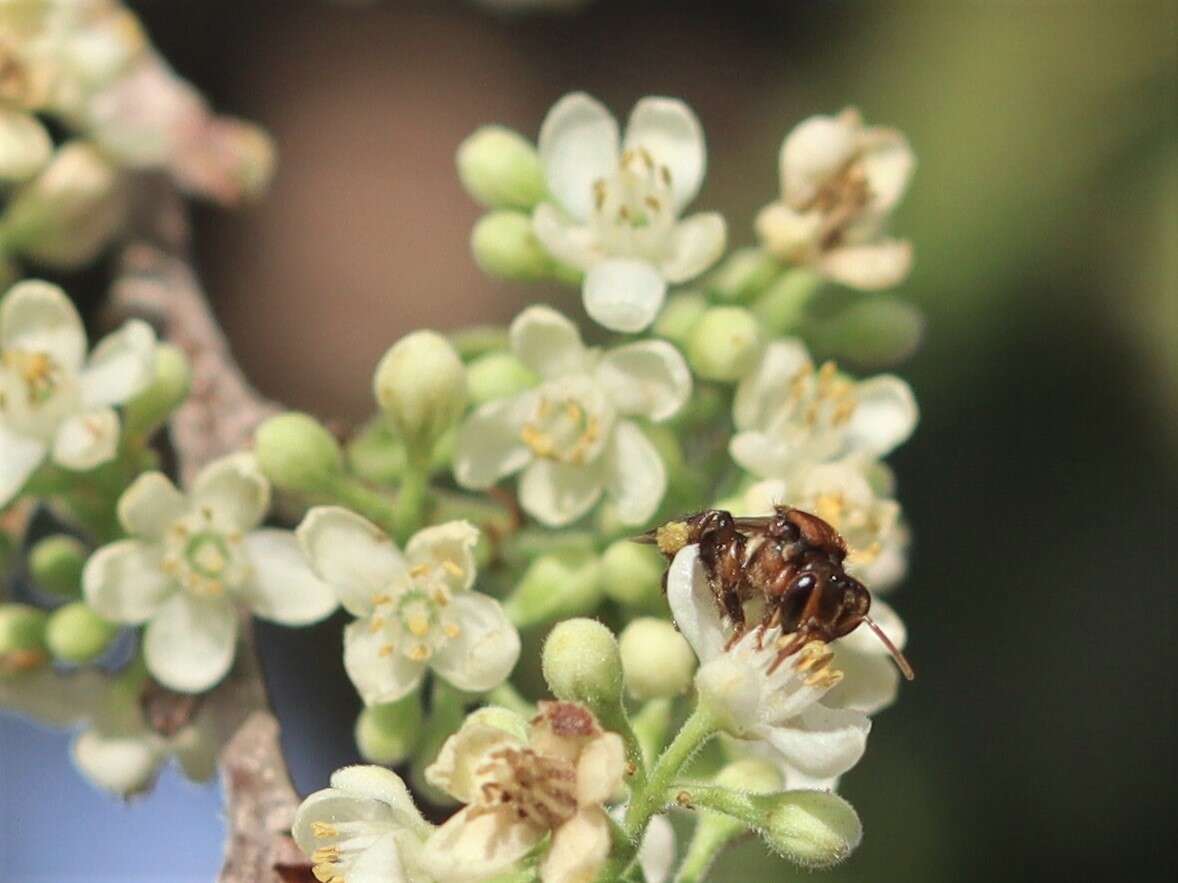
column 418, row 625
column 419, row 652
column 451, row 630
column 418, row 570
column 324, row 829
column 451, row 568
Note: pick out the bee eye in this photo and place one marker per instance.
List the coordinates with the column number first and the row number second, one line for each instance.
column 805, row 583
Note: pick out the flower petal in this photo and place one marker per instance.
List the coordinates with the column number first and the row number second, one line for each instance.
column 378, row 674
column 559, row 493
column 579, row 848
column 281, row 586
column 636, row 477
column 695, row 244
column 578, row 144
column 477, row 847
column 885, row 415
column 190, row 643
column 863, row 640
column 377, row 783
column 869, row 266
column 888, row 162
column 870, row 681
column 19, row 458
column 150, row 505
column 822, row 741
column 547, row 342
column 377, row 862
column 462, row 754
column 816, row 149
column 351, row 554
column 234, row 490
column 489, row 446
column 38, row 317
column 760, row 454
column 125, row 582
column 485, row 651
column 600, row 769
column 669, row 130
column 85, row 441
column 448, row 548
column 648, row 379
column 765, row 390
column 623, row 294
column 568, row 242
column 120, row 366
column 122, row 765
column 656, row 853
column 693, row 606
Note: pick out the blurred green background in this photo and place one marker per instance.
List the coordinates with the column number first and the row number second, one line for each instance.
column 1042, row 484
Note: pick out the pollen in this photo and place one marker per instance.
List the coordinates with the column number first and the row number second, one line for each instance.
column 417, row 571
column 325, row 855
column 325, row 873
column 671, row 537
column 418, row 625
column 323, row 830
column 451, row 568
column 451, row 630
column 419, row 652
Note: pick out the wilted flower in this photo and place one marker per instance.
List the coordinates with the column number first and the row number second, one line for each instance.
column 53, row 401
column 190, row 558
column 618, row 201
column 790, row 415
column 570, row 435
column 415, row 611
column 839, row 183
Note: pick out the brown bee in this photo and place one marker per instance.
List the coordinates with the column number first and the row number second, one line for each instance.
column 791, row 561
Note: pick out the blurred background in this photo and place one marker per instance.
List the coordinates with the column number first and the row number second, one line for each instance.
column 1042, row 483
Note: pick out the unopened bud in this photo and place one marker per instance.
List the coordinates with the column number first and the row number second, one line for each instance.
column 77, row 634
column 632, row 574
column 501, row 169
column 814, row 829
column 169, row 387
column 297, row 453
column 497, row 376
column 680, row 315
column 56, row 563
column 505, row 246
column 122, row 765
column 25, row 146
column 22, row 638
column 556, row 586
column 581, row 663
column 657, row 660
column 743, row 275
column 782, row 306
column 387, row 734
column 421, row 385
column 725, row 344
column 875, row 332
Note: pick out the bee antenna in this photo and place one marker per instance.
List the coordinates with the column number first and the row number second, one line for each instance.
column 902, row 662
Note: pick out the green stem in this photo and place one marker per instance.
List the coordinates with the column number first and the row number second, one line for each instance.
column 614, row 719
column 409, row 510
column 651, row 724
column 354, row 494
column 696, row 730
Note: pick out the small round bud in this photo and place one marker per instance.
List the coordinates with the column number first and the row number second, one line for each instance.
column 814, row 829
column 505, row 246
column 25, row 146
column 22, row 638
column 420, row 384
column 387, row 734
column 743, row 274
column 556, row 586
column 679, row 317
column 724, row 344
column 875, row 332
column 170, row 383
column 632, row 574
column 56, row 563
column 657, row 660
column 77, row 634
column 497, row 376
column 297, row 453
column 501, row 169
column 783, row 305
column 581, row 663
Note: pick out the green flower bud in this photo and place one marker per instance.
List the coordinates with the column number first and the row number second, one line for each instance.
column 22, row 638
column 581, row 663
column 657, row 660
column 752, row 775
column 743, row 275
column 875, row 332
column 814, row 829
column 504, row 246
column 56, row 563
column 387, row 734
column 724, row 344
column 421, row 385
column 497, row 376
column 501, row 169
column 556, row 586
column 632, row 574
column 680, row 316
column 77, row 634
column 25, row 146
column 168, row 389
column 783, row 305
column 297, row 453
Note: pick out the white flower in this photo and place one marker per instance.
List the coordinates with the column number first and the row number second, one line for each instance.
column 839, row 183
column 618, row 203
column 363, row 829
column 415, row 611
column 519, row 786
column 54, row 402
column 189, row 559
column 783, row 708
column 570, row 435
column 789, row 415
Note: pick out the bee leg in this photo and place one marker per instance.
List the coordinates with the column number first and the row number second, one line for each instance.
column 772, row 621
column 732, row 606
column 787, row 646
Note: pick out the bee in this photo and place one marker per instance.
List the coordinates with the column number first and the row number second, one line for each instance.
column 791, row 562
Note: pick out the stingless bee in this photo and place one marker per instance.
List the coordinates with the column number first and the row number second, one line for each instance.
column 792, row 562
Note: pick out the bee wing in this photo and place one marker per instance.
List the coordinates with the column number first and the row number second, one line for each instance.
column 755, row 523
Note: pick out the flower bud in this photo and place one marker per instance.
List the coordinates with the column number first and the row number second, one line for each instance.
column 679, row 317
column 657, row 660
column 783, row 305
column 68, row 213
column 814, row 829
column 724, row 344
column 25, row 146
column 497, row 376
column 504, row 245
column 77, row 634
column 581, row 663
column 421, row 385
column 122, row 765
column 297, row 453
column 169, row 386
column 387, row 734
column 556, row 586
column 743, row 275
column 22, row 638
column 875, row 332
column 632, row 574
column 501, row 169
column 56, row 563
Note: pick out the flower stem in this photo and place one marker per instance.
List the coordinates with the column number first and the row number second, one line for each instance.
column 347, row 490
column 696, row 730
column 409, row 510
